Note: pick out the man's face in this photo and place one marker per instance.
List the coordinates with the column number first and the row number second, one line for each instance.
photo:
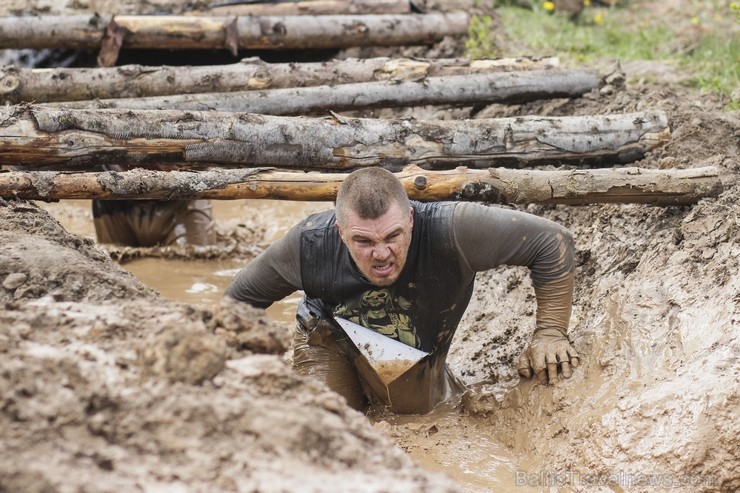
column 379, row 246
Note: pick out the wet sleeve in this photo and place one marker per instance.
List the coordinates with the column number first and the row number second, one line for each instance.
column 488, row 237
column 272, row 275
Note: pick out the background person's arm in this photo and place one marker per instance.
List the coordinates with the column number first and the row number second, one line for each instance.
column 491, row 236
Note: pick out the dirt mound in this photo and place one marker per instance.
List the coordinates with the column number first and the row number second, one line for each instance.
column 656, row 317
column 40, row 258
column 140, row 394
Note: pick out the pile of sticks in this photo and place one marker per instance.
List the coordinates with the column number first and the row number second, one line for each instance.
column 258, row 130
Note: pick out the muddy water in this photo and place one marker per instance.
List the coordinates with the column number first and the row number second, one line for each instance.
column 464, row 448
column 197, row 282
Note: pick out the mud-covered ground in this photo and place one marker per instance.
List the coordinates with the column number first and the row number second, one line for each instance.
column 107, row 386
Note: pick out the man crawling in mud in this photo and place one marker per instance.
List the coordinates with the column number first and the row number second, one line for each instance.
column 406, row 269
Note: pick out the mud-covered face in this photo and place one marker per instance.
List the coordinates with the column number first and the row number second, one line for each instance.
column 379, row 246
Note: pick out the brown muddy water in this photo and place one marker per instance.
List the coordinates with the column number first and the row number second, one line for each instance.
column 471, row 456
column 197, row 282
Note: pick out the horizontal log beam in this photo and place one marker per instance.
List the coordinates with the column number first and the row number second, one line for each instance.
column 309, row 7
column 74, row 139
column 136, row 81
column 455, row 90
column 503, row 186
column 215, row 32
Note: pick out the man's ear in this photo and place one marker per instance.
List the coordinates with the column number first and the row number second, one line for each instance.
column 412, row 217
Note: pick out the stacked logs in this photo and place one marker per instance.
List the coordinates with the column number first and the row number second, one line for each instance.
column 258, row 130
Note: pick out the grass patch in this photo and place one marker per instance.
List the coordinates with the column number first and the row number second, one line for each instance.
column 706, row 44
column 715, row 61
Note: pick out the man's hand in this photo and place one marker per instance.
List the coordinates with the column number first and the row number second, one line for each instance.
column 548, row 350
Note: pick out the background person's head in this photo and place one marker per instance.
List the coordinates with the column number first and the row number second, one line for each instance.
column 375, row 220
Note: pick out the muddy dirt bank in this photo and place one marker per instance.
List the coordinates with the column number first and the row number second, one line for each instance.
column 106, row 387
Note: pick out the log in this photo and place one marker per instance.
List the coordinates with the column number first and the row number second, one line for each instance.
column 135, row 81
column 501, row 186
column 454, row 90
column 214, row 32
column 46, row 137
column 309, row 7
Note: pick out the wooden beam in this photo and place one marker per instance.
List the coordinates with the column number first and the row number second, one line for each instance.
column 502, row 186
column 76, row 139
column 308, row 7
column 171, row 32
column 454, row 90
column 135, row 81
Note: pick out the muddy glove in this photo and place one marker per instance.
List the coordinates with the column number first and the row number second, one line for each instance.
column 548, row 350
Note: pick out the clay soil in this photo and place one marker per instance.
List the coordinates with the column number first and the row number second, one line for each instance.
column 107, row 386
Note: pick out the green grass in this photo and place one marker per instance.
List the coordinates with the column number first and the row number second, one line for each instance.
column 716, row 65
column 480, row 43
column 707, row 51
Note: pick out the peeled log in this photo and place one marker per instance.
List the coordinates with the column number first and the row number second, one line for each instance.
column 311, row 7
column 46, row 137
column 135, row 81
column 456, row 90
column 207, row 33
column 502, row 186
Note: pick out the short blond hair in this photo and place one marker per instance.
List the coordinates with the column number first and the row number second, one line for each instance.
column 369, row 193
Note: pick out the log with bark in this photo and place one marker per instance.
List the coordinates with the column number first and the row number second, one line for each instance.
column 308, row 7
column 214, row 32
column 33, row 136
column 499, row 185
column 135, row 81
column 454, row 90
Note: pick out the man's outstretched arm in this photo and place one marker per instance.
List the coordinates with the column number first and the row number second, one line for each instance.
column 272, row 275
column 493, row 236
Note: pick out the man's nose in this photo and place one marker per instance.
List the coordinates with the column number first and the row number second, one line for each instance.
column 381, row 251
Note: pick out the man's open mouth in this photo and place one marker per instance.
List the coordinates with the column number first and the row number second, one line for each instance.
column 383, row 270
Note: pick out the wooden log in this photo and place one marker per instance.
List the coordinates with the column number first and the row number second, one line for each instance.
column 503, row 186
column 207, row 33
column 34, row 137
column 454, row 90
column 309, row 7
column 135, row 81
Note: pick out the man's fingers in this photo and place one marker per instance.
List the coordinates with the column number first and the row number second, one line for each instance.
column 572, row 353
column 564, row 359
column 537, row 361
column 547, row 362
column 565, row 369
column 523, row 367
column 552, row 368
column 542, row 376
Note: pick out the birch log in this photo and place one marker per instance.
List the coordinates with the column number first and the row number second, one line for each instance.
column 454, row 90
column 135, row 81
column 207, row 33
column 309, row 7
column 501, row 185
column 35, row 136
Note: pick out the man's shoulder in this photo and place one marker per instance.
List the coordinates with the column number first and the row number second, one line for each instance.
column 433, row 207
column 319, row 220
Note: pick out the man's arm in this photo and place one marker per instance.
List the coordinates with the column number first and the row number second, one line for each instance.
column 491, row 236
column 272, row 275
